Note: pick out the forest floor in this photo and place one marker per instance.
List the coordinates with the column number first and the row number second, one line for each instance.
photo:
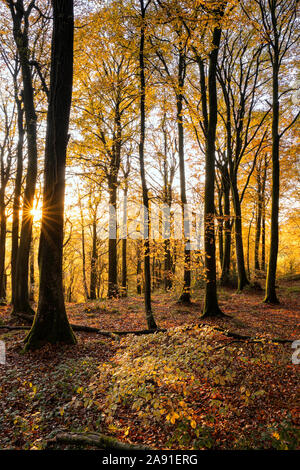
column 191, row 387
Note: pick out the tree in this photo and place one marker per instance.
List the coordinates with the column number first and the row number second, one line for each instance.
column 6, row 129
column 173, row 71
column 105, row 101
column 18, row 184
column 211, row 307
column 275, row 21
column 20, row 17
column 51, row 322
column 146, row 222
column 241, row 91
column 126, row 173
column 212, row 16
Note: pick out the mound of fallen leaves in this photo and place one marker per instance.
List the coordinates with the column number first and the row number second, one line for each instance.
column 192, row 388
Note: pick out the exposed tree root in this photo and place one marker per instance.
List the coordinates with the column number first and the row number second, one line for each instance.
column 112, row 334
column 14, row 327
column 23, row 316
column 239, row 336
column 115, row 333
column 92, row 439
column 90, row 329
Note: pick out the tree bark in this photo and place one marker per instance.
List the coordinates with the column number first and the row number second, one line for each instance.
column 271, row 296
column 220, row 227
column 239, row 248
column 225, row 275
column 17, row 195
column 139, row 268
column 31, row 271
column 2, row 246
column 93, row 440
column 85, row 288
column 258, row 219
column 51, row 322
column 146, row 254
column 124, row 242
column 113, row 290
column 94, row 260
column 263, row 217
column 211, row 307
column 185, row 296
column 20, row 18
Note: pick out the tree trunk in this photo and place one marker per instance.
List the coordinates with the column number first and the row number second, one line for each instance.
column 94, row 261
column 263, row 237
column 211, row 307
column 113, row 290
column 16, row 200
column 21, row 298
column 225, row 275
column 139, row 268
column 221, row 228
column 271, row 296
column 51, row 322
column 147, row 286
column 248, row 245
column 85, row 288
column 258, row 220
column 124, row 243
column 239, row 249
column 2, row 246
column 31, row 272
column 185, row 296
column 263, row 222
column 167, row 265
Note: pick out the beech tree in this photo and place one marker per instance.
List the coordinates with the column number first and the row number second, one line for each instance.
column 20, row 18
column 276, row 23
column 146, row 222
column 211, row 307
column 240, row 91
column 212, row 28
column 51, row 322
column 5, row 173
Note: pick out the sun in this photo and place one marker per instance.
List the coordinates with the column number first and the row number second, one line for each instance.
column 36, row 212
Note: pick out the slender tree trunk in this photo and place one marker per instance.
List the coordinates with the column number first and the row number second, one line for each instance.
column 153, row 276
column 211, row 307
column 271, row 296
column 51, row 322
column 94, row 261
column 239, row 249
column 258, row 221
column 124, row 243
column 248, row 245
column 185, row 296
column 147, row 286
column 263, row 237
column 166, row 215
column 2, row 246
column 17, row 195
column 167, row 265
column 31, row 272
column 221, row 228
column 21, row 297
column 85, row 288
column 113, row 290
column 139, row 268
column 263, row 221
column 225, row 275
